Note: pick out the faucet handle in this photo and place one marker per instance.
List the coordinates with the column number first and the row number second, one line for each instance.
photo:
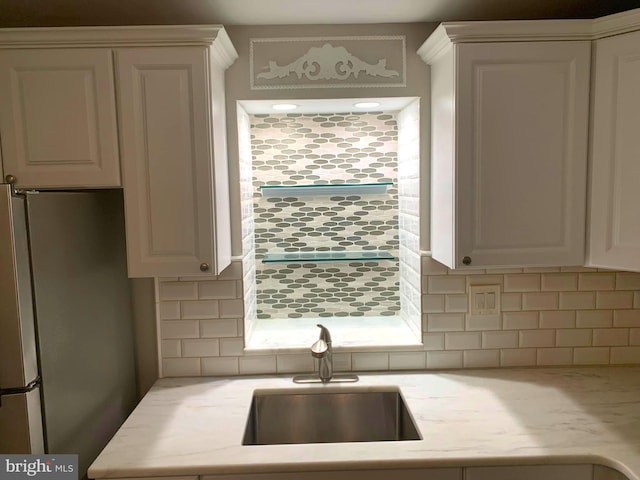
column 324, row 334
column 319, row 349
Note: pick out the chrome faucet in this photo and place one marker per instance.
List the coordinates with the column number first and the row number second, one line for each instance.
column 321, row 349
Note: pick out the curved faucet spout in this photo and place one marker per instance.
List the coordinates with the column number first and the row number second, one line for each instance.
column 323, row 351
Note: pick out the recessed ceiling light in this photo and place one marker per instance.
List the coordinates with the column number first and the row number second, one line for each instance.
column 366, row 104
column 284, row 106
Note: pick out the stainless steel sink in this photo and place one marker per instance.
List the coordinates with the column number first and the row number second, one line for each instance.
column 312, row 416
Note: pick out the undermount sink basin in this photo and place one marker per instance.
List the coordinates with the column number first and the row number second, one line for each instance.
column 312, row 416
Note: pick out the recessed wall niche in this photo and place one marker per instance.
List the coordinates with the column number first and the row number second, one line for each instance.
column 311, row 149
column 342, row 150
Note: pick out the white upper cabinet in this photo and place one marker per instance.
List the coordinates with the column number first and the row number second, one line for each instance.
column 614, row 229
column 174, row 164
column 58, row 117
column 59, row 129
column 509, row 148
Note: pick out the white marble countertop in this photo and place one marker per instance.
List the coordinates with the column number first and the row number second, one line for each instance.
column 194, row 426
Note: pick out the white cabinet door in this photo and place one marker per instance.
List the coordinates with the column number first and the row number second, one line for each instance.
column 533, row 472
column 606, row 473
column 614, row 230
column 377, row 474
column 58, row 117
column 522, row 127
column 164, row 103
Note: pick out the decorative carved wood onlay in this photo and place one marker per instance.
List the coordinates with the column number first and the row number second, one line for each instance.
column 328, row 62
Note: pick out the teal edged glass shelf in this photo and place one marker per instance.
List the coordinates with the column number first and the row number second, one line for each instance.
column 299, row 257
column 282, row 191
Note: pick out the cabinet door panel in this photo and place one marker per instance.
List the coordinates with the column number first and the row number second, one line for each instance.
column 533, row 472
column 379, row 474
column 615, row 169
column 167, row 169
column 522, row 120
column 58, row 124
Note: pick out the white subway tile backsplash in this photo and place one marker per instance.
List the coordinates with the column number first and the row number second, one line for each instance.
column 627, row 281
column 218, row 328
column 481, row 358
column 433, row 341
column 213, row 290
column 596, row 281
column 232, row 272
column 577, row 300
column 178, row 291
column 626, row 318
column 342, row 362
column 294, row 363
column 518, row 357
column 433, row 267
column 433, row 303
column 462, row 341
column 625, row 355
column 550, row 317
column 500, row 271
column 574, row 337
column 201, row 347
column 537, row 338
column 605, row 337
column 614, row 300
column 230, row 347
column 365, row 361
column 511, row 302
column 442, row 360
column 482, row 322
column 171, row 348
column 519, row 320
column 407, row 360
column 200, row 309
column 258, row 364
column 540, row 301
column 558, row 319
column 591, row 356
column 522, row 283
column 559, row 282
column 594, row 319
column 555, row 356
column 456, row 303
column 445, row 322
column 180, row 329
column 500, row 339
column 220, row 366
column 181, row 367
column 169, row 310
column 447, row 284
column 231, row 308
column 578, row 269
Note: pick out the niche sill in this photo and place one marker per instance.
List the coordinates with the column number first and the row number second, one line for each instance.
column 346, row 333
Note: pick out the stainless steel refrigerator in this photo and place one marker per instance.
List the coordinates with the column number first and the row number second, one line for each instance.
column 67, row 373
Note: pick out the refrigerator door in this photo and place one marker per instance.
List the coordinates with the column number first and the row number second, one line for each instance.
column 83, row 317
column 21, row 424
column 18, row 361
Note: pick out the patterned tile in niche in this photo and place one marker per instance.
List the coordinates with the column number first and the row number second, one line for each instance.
column 337, row 148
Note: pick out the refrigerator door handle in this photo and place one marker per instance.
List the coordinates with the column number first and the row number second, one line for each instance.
column 20, row 390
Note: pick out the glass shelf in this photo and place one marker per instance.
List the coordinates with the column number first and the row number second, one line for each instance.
column 300, row 257
column 324, row 189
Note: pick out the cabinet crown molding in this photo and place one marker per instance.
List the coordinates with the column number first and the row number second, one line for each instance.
column 449, row 33
column 119, row 36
